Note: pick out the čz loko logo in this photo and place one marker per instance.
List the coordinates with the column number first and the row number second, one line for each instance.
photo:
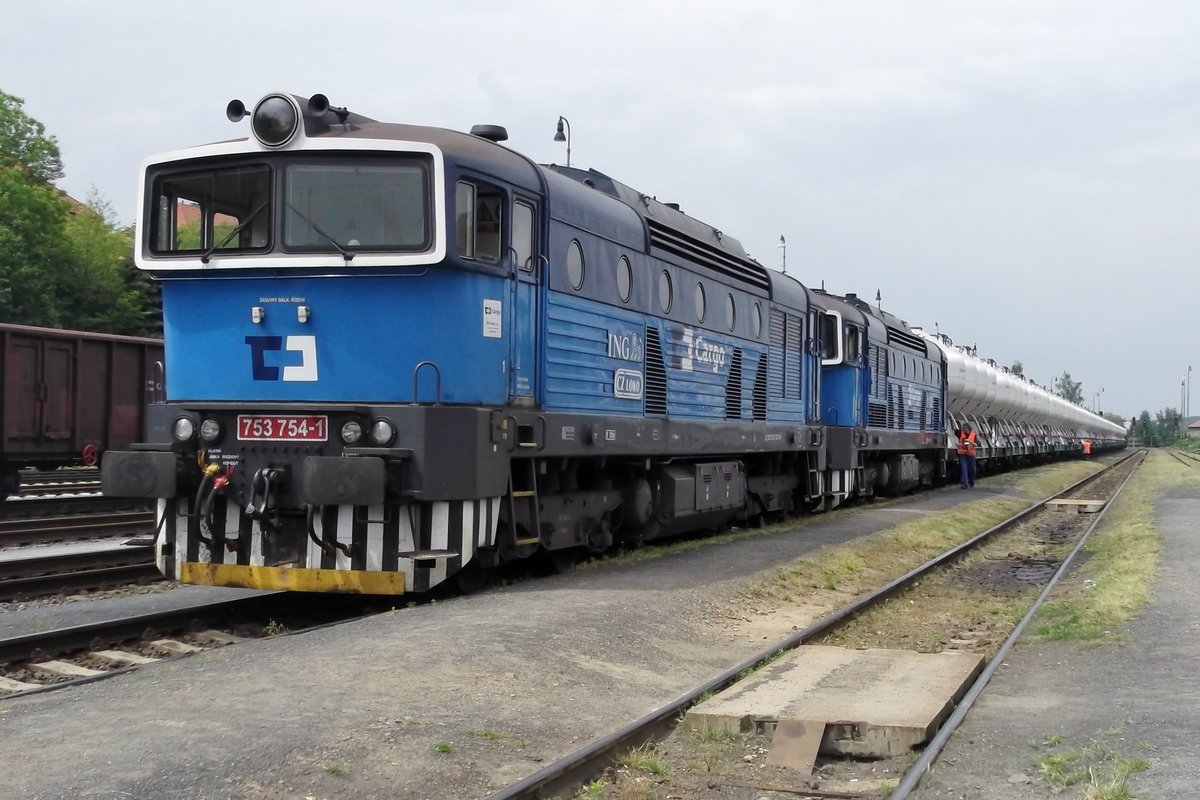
column 627, row 384
column 306, row 346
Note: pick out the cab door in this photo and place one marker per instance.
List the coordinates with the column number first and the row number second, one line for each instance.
column 527, row 270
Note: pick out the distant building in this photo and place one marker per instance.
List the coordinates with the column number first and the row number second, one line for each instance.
column 1193, row 430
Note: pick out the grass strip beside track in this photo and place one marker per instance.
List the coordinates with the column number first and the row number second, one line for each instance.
column 1113, row 585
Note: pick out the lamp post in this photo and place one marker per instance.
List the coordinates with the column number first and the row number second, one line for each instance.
column 1188, row 399
column 783, row 246
column 559, row 136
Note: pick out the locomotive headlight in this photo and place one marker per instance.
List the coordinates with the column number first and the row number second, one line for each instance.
column 382, row 432
column 352, row 432
column 210, row 430
column 276, row 120
column 185, row 429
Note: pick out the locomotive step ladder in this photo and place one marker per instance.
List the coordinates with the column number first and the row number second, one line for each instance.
column 523, row 501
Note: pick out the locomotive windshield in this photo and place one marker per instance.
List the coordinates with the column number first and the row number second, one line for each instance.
column 341, row 205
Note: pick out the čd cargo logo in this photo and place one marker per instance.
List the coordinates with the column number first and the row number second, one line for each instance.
column 306, row 346
column 699, row 354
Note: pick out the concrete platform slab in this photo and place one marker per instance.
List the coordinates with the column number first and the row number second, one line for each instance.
column 1076, row 506
column 875, row 703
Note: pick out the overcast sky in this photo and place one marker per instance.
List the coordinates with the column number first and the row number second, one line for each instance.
column 1024, row 175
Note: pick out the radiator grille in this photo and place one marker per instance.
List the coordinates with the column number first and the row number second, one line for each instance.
column 656, row 374
column 760, row 390
column 877, row 415
column 878, row 371
column 787, row 332
column 745, row 272
column 907, row 339
column 733, row 386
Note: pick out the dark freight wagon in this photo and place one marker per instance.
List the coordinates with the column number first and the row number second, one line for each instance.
column 68, row 396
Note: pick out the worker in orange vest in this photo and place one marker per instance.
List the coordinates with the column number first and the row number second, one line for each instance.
column 966, row 456
column 1087, row 448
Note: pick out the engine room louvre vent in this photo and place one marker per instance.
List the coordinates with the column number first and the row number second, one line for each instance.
column 877, row 416
column 680, row 244
column 878, row 361
column 892, row 416
column 656, row 374
column 760, row 390
column 896, row 336
column 733, row 386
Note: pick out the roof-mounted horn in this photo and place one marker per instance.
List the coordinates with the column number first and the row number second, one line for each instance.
column 493, row 133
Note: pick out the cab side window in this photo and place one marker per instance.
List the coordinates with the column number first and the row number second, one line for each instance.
column 522, row 236
column 478, row 221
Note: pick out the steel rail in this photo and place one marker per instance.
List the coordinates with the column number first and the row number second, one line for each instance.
column 40, row 574
column 80, row 637
column 914, row 774
column 18, row 507
column 58, row 529
column 587, row 761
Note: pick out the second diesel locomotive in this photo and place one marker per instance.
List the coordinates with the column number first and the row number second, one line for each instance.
column 402, row 355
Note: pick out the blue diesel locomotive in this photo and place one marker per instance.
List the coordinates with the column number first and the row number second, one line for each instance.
column 403, row 355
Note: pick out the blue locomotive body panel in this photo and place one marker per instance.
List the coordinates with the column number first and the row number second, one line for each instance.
column 843, row 395
column 594, row 357
column 362, row 343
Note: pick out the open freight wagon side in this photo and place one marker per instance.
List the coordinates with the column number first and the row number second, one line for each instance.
column 69, row 396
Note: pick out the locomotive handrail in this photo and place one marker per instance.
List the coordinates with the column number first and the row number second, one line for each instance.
column 437, row 375
column 159, row 381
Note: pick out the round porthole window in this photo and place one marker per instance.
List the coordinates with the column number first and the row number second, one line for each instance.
column 624, row 279
column 700, row 302
column 664, row 291
column 575, row 265
column 730, row 311
column 757, row 321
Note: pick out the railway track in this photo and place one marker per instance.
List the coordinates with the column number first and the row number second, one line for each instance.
column 34, row 572
column 69, row 554
column 566, row 774
column 22, row 532
column 53, row 659
column 1184, row 457
column 24, row 507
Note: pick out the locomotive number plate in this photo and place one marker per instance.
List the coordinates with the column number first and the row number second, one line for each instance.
column 264, row 428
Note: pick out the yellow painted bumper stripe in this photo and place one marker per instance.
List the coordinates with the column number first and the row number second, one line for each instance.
column 293, row 579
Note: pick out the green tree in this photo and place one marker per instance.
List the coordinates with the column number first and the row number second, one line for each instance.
column 25, row 144
column 32, row 220
column 1068, row 389
column 1168, row 424
column 62, row 263
column 1117, row 418
column 100, row 289
column 1144, row 429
